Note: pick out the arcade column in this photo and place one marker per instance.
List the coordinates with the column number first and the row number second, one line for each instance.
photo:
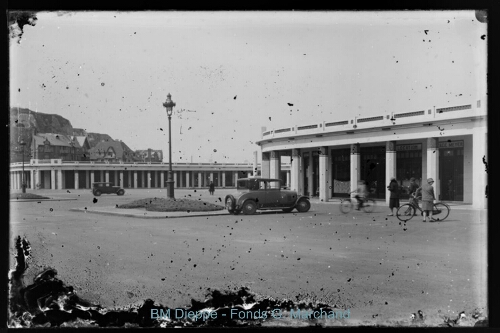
column 265, row 165
column 390, row 165
column 295, row 171
column 355, row 166
column 275, row 165
column 323, row 174
column 52, row 179
column 479, row 164
column 60, row 179
column 433, row 164
column 77, row 180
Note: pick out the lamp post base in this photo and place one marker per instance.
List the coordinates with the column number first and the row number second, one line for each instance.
column 170, row 189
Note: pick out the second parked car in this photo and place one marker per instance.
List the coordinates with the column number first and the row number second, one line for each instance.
column 103, row 187
column 264, row 194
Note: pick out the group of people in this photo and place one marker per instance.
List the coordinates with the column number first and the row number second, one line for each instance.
column 427, row 191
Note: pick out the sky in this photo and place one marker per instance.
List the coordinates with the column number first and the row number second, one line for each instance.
column 232, row 73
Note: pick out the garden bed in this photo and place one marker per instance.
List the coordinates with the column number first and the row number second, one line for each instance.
column 26, row 196
column 172, row 205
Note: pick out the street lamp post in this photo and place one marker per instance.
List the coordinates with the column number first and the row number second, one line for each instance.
column 169, row 104
column 23, row 184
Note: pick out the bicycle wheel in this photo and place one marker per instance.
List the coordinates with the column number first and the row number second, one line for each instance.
column 346, row 206
column 405, row 212
column 369, row 205
column 440, row 211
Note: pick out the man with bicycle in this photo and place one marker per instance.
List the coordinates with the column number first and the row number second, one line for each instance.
column 361, row 193
column 412, row 191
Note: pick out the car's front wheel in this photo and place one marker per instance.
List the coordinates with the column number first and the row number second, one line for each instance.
column 229, row 205
column 97, row 193
column 249, row 207
column 303, row 205
column 120, row 192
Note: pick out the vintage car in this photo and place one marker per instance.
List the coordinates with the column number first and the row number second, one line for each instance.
column 264, row 194
column 102, row 187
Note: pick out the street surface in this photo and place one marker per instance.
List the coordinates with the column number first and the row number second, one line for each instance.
column 374, row 265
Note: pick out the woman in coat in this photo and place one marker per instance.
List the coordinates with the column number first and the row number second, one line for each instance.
column 427, row 198
column 394, row 198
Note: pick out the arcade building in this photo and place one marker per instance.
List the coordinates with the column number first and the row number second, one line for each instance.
column 446, row 143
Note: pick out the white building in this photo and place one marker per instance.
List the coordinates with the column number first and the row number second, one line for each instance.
column 446, row 143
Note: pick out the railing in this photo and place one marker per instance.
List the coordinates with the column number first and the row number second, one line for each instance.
column 363, row 120
column 454, row 108
column 282, row 130
column 282, row 133
column 409, row 114
column 307, row 127
column 337, row 123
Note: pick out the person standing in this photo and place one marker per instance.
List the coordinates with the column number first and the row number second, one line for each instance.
column 394, row 198
column 412, row 188
column 211, row 188
column 427, row 199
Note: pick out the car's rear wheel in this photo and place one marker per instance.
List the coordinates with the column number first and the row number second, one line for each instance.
column 249, row 207
column 303, row 205
column 229, row 205
column 120, row 192
column 97, row 193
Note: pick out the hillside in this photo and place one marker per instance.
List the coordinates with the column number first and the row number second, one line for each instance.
column 24, row 122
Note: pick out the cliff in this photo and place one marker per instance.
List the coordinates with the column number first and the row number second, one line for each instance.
column 24, row 123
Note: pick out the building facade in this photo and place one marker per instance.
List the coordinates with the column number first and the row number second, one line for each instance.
column 59, row 146
column 57, row 174
column 328, row 159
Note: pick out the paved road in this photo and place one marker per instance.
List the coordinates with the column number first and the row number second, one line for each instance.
column 381, row 269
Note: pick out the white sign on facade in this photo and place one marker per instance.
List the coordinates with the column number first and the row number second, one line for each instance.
column 416, row 146
column 451, row 144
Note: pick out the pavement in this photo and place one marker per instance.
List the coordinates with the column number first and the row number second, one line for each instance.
column 142, row 213
column 379, row 267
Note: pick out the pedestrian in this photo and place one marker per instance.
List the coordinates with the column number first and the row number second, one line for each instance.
column 427, row 198
column 361, row 193
column 394, row 198
column 412, row 188
column 211, row 188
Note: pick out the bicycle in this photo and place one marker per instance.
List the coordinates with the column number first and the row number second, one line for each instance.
column 347, row 204
column 407, row 211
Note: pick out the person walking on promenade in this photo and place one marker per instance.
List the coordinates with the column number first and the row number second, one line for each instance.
column 394, row 198
column 211, row 188
column 427, row 198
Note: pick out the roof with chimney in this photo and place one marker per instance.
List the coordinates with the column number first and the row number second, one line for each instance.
column 55, row 140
